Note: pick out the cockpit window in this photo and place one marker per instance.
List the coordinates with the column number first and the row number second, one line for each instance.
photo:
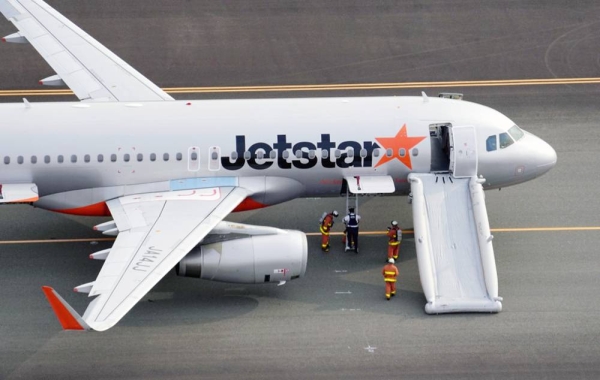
column 491, row 143
column 516, row 132
column 505, row 140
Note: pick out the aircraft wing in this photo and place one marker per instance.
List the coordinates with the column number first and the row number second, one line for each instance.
column 156, row 231
column 92, row 71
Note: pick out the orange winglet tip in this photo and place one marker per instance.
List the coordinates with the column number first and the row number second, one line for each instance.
column 68, row 318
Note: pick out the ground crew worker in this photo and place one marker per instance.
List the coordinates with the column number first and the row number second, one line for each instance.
column 326, row 224
column 394, row 235
column 390, row 272
column 351, row 221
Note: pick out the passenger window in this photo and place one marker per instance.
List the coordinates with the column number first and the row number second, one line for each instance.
column 126, row 157
column 415, row 152
column 20, row 160
column 273, row 155
column 33, row 159
column 74, row 158
column 402, row 152
column 324, row 153
column 247, row 155
column 363, row 153
column 194, row 156
column 140, row 157
column 312, row 154
column 285, row 155
column 152, row 157
column 491, row 143
column 376, row 152
column 338, row 153
column 505, row 140
column 298, row 153
column 260, row 155
column 47, row 159
column 179, row 156
column 166, row 157
column 350, row 152
column 6, row 160
column 60, row 159
column 113, row 157
column 86, row 158
column 234, row 156
column 389, row 152
column 213, row 156
column 100, row 158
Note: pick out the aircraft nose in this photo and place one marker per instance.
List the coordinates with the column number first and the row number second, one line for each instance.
column 546, row 157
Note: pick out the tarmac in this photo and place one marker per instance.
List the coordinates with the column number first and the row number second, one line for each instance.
column 335, row 322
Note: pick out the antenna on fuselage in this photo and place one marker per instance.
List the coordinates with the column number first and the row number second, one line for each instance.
column 27, row 104
column 425, row 98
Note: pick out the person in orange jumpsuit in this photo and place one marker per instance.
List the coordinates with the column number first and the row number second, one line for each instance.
column 390, row 272
column 326, row 224
column 394, row 235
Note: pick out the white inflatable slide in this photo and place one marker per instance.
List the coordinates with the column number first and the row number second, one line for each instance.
column 454, row 244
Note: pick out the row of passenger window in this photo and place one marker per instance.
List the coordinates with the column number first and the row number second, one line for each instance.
column 194, row 156
column 324, row 153
column 100, row 158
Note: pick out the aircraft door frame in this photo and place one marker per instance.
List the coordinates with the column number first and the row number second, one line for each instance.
column 193, row 159
column 463, row 151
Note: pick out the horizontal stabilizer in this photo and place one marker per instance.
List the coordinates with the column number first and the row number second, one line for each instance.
column 68, row 318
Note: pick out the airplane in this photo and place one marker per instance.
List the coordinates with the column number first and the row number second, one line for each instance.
column 169, row 171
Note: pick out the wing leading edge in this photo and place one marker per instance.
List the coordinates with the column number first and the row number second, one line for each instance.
column 156, row 231
column 93, row 72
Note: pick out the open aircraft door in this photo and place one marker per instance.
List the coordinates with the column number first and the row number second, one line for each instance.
column 463, row 154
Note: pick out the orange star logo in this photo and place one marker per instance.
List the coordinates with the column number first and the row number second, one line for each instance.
column 401, row 140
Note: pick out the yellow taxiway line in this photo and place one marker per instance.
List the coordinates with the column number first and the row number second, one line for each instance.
column 530, row 229
column 335, row 87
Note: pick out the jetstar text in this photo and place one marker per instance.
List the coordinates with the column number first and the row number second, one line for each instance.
column 305, row 159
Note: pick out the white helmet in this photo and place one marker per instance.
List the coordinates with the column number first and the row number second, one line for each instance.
column 391, row 261
column 335, row 213
column 394, row 223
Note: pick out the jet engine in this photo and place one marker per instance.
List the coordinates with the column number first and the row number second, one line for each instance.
column 249, row 260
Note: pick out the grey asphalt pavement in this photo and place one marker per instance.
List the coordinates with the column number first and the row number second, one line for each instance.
column 334, row 322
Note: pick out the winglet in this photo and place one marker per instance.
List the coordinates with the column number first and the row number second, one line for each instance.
column 68, row 318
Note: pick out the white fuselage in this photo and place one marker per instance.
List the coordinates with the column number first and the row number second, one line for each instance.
column 110, row 149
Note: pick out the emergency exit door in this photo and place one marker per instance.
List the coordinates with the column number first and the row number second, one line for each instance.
column 463, row 153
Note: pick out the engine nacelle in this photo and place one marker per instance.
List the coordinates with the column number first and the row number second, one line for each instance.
column 249, row 260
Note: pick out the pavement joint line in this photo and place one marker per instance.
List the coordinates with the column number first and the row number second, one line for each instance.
column 525, row 229
column 334, row 87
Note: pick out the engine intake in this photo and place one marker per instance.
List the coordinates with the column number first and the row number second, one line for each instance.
column 249, row 260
